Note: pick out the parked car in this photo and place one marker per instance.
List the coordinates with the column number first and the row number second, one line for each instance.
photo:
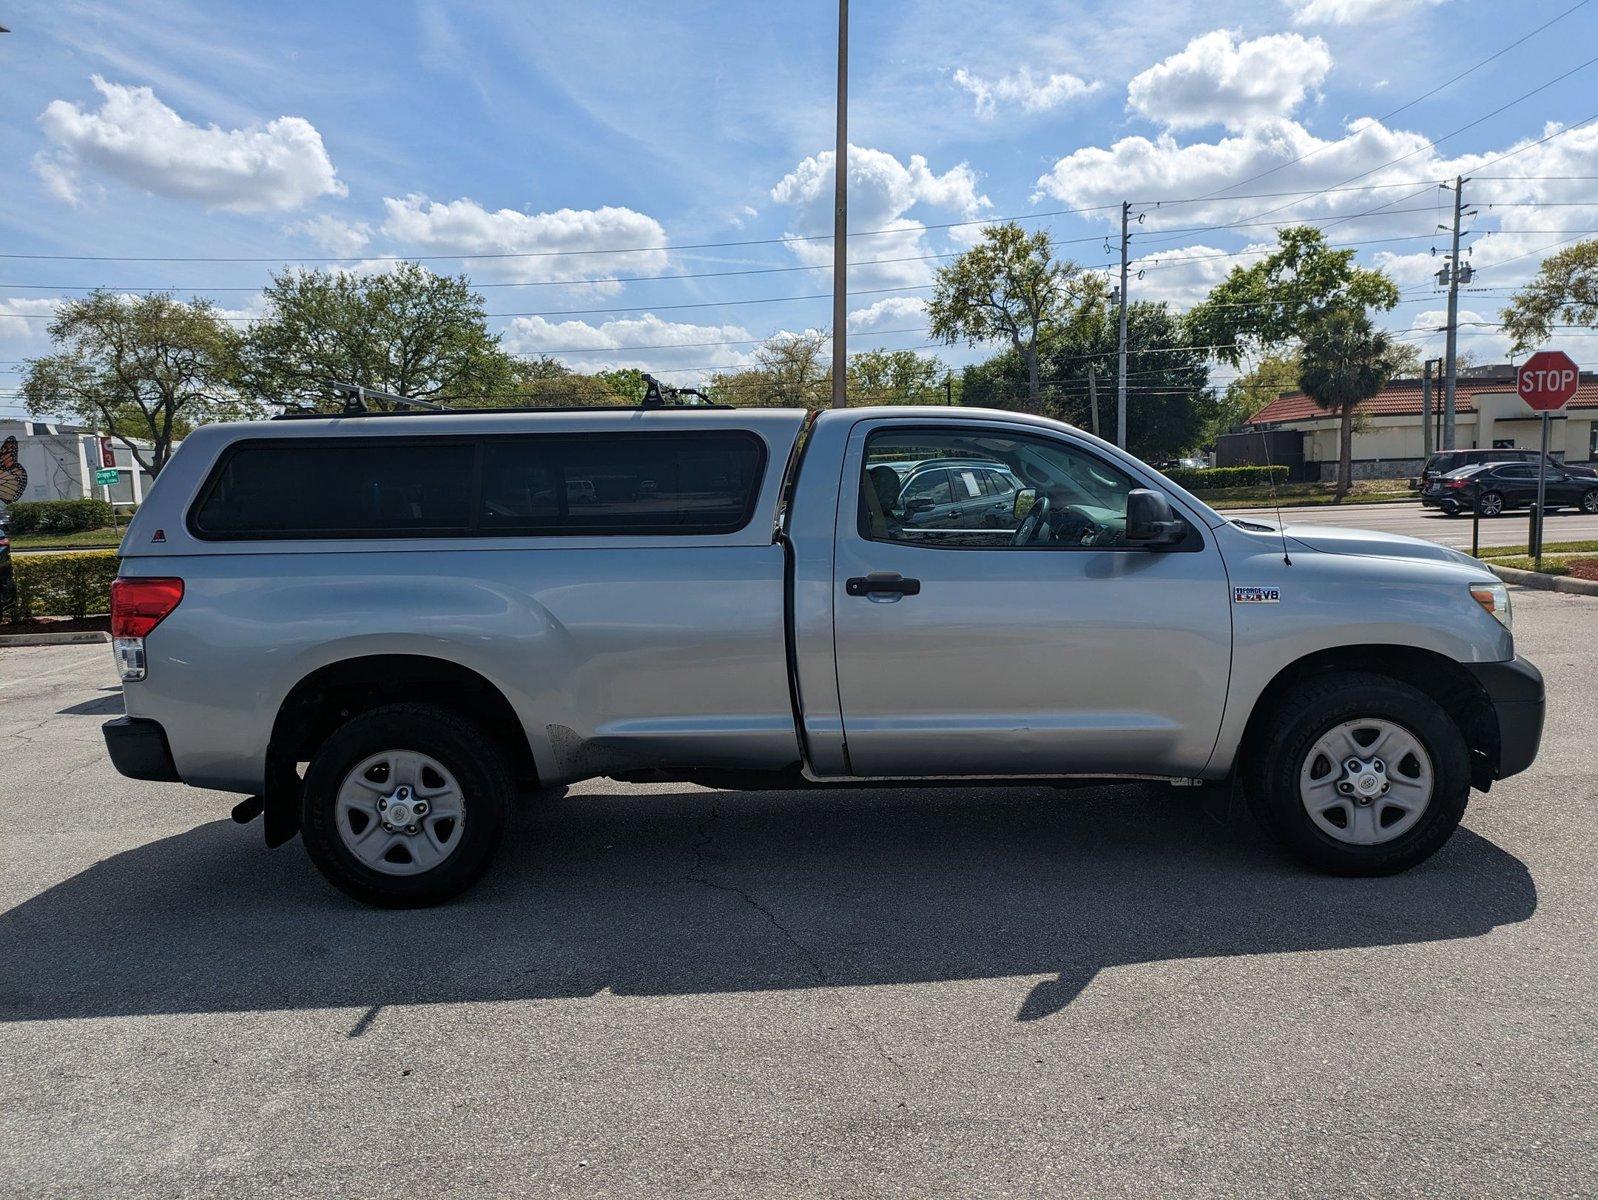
column 953, row 493
column 1446, row 461
column 381, row 628
column 1493, row 488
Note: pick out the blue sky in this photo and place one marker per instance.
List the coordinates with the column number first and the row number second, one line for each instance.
column 361, row 131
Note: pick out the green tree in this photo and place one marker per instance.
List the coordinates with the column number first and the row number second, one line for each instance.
column 897, row 377
column 1273, row 374
column 1265, row 306
column 1344, row 361
column 1008, row 287
column 406, row 331
column 1564, row 292
column 790, row 369
column 1169, row 405
column 546, row 382
column 146, row 369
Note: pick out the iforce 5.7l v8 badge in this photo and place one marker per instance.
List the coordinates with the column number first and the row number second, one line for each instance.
column 1256, row 595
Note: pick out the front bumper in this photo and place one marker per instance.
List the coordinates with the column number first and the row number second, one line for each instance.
column 139, row 750
column 1515, row 689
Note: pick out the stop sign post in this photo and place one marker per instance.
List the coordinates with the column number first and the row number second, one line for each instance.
column 1546, row 382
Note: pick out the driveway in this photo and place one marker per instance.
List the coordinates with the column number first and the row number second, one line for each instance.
column 673, row 992
column 1408, row 517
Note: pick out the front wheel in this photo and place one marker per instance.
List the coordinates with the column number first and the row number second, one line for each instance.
column 1589, row 502
column 405, row 805
column 1491, row 504
column 1358, row 774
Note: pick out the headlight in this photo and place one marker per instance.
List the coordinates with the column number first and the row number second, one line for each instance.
column 1494, row 597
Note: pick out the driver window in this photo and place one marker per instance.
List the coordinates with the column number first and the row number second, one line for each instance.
column 985, row 488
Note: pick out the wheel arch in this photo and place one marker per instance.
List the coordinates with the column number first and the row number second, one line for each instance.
column 1456, row 691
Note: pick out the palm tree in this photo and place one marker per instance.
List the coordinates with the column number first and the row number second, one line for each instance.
column 1345, row 360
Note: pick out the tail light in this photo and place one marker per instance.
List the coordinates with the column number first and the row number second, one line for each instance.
column 138, row 606
column 1455, row 484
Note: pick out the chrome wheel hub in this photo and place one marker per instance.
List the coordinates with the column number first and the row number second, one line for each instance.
column 400, row 812
column 1366, row 782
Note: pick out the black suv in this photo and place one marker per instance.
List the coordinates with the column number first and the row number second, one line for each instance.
column 1493, row 487
column 1445, row 461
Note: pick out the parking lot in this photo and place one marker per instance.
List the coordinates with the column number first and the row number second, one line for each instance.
column 668, row 991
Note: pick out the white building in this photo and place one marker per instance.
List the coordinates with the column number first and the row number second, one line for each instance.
column 61, row 461
column 1389, row 439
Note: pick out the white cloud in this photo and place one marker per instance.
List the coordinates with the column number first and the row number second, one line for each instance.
column 1478, row 333
column 895, row 312
column 1217, row 79
column 339, row 237
column 136, row 139
column 1184, row 276
column 668, row 345
column 22, row 318
column 466, row 227
column 1024, row 90
column 882, row 192
column 1353, row 12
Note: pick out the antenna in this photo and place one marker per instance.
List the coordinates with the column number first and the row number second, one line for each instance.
column 1270, row 474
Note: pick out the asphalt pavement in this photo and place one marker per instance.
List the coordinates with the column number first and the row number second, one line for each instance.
column 1408, row 517
column 672, row 992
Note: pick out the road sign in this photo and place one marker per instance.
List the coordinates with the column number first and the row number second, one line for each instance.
column 1547, row 380
column 108, row 454
column 106, row 478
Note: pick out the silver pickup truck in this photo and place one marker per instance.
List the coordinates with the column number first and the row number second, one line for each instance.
column 380, row 628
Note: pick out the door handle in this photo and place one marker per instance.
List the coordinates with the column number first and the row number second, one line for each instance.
column 882, row 582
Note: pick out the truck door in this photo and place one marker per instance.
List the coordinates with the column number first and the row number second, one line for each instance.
column 1043, row 644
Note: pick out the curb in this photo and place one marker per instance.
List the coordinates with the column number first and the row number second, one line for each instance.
column 81, row 638
column 1546, row 583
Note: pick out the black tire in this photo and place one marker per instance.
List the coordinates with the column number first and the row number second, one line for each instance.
column 1490, row 504
column 480, row 768
column 1307, row 712
column 1450, row 508
column 1589, row 502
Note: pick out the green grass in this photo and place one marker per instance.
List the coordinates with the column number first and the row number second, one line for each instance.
column 1552, row 565
column 107, row 539
column 1222, row 501
column 1582, row 547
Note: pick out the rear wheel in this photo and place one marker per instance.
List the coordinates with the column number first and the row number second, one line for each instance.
column 1491, row 504
column 1358, row 774
column 1589, row 502
column 405, row 805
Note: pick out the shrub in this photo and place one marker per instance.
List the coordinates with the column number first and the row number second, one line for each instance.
column 64, row 585
column 1207, row 478
column 59, row 516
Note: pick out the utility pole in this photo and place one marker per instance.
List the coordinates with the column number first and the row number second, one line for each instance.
column 1120, row 380
column 1093, row 399
column 1426, row 414
column 840, row 221
column 1451, row 361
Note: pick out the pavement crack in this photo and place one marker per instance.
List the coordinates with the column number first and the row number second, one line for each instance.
column 698, row 874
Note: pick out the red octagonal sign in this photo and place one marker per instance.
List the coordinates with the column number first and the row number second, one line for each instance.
column 1547, row 380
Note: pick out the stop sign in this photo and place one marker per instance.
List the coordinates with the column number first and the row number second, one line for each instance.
column 1547, row 380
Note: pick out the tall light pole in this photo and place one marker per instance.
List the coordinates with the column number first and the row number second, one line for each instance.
column 1120, row 371
column 1451, row 360
column 840, row 221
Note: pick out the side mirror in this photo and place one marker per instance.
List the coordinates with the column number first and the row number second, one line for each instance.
column 1025, row 498
column 918, row 506
column 1150, row 521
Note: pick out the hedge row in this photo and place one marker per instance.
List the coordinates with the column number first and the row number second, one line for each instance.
column 59, row 516
column 1206, row 478
column 64, row 585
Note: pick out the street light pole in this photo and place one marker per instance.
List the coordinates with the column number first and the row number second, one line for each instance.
column 1120, row 370
column 1451, row 362
column 840, row 221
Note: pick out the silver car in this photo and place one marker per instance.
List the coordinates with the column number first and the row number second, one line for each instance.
column 383, row 628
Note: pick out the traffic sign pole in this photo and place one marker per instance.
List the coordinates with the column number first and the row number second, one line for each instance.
column 1546, row 381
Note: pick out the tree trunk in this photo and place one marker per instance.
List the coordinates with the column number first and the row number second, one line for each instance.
column 1345, row 453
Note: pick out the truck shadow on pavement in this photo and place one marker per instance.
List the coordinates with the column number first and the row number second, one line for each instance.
column 670, row 894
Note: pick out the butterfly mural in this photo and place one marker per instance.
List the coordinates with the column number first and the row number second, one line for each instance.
column 13, row 477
